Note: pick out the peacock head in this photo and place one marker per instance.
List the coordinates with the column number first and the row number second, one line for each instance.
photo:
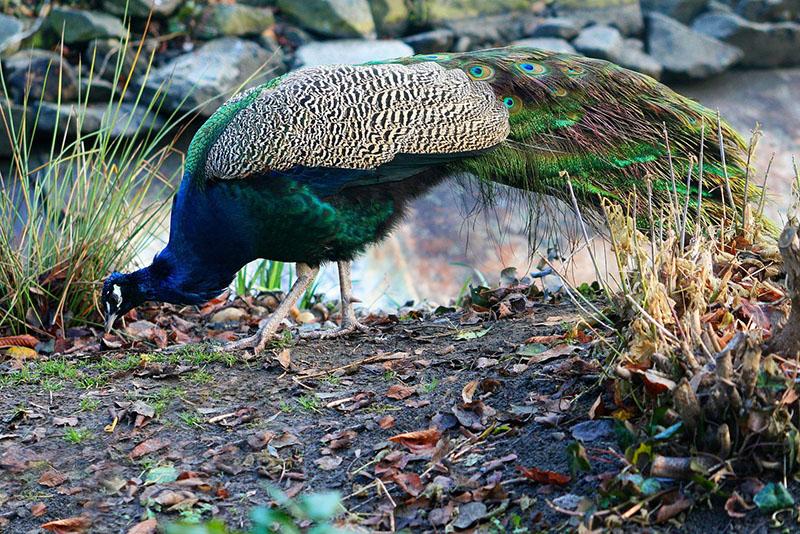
column 121, row 293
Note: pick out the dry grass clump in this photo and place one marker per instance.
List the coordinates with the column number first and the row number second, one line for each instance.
column 705, row 384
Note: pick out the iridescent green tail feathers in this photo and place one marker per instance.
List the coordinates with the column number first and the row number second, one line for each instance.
column 608, row 129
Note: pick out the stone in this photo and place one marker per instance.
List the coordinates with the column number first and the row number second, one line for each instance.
column 81, row 25
column 11, row 34
column 194, row 81
column 600, row 41
column 764, row 45
column 436, row 12
column 625, row 15
column 495, row 30
column 37, row 71
column 96, row 89
column 685, row 53
column 588, row 431
column 547, row 43
column 228, row 315
column 633, row 57
column 93, row 117
column 469, row 514
column 334, row 18
column 680, row 10
column 219, row 20
column 142, row 8
column 104, row 52
column 391, row 17
column 429, row 42
column 22, row 117
column 560, row 27
column 350, row 51
column 769, row 10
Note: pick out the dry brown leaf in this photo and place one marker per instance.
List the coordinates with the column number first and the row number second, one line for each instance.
column 468, row 392
column 52, row 478
column 668, row 511
column 285, row 358
column 400, row 392
column 409, row 482
column 70, row 525
column 386, row 422
column 25, row 340
column 419, row 440
column 544, row 477
column 553, row 353
column 736, row 506
column 145, row 527
column 148, row 446
column 38, row 509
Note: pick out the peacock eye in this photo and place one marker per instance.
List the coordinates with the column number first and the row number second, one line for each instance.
column 532, row 69
column 480, row 72
column 509, row 102
column 513, row 104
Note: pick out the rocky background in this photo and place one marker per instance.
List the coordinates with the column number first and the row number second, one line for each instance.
column 203, row 51
column 212, row 47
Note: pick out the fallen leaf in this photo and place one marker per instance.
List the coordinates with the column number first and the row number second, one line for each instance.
column 145, row 527
column 484, row 363
column 550, row 354
column 148, row 446
column 71, row 525
column 472, row 334
column 418, row 440
column 469, row 514
column 400, row 392
column 22, row 353
column 409, row 482
column 544, row 477
column 65, row 421
column 38, row 509
column 386, row 422
column 25, row 340
column 668, row 511
column 736, row 506
column 285, row 358
column 588, row 431
column 468, row 391
column 328, row 463
column 52, row 478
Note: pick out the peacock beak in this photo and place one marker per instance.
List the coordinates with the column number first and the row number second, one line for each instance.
column 110, row 318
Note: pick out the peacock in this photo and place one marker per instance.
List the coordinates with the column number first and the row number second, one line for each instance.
column 315, row 165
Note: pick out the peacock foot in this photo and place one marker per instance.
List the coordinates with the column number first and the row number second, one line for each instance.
column 257, row 343
column 348, row 327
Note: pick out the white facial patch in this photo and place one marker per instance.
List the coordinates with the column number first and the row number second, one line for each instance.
column 117, row 292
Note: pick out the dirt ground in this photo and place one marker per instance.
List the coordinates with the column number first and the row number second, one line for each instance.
column 189, row 434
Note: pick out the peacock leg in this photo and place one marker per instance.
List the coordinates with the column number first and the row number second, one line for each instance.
column 305, row 275
column 349, row 322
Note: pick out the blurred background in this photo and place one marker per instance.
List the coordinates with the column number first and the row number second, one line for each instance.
column 738, row 56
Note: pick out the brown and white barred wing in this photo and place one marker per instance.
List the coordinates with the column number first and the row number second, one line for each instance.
column 358, row 117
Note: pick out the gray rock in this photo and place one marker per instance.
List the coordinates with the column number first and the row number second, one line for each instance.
column 626, row 15
column 554, row 27
column 22, row 117
column 97, row 89
column 36, row 72
column 391, row 17
column 104, row 53
column 197, row 79
column 547, row 43
column 633, row 57
column 429, row 42
column 438, row 12
column 685, row 53
column 220, row 20
column 599, row 41
column 769, row 10
column 680, row 10
column 495, row 30
column 81, row 25
column 142, row 8
column 127, row 121
column 764, row 45
column 11, row 34
column 335, row 18
column 568, row 501
column 349, row 51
